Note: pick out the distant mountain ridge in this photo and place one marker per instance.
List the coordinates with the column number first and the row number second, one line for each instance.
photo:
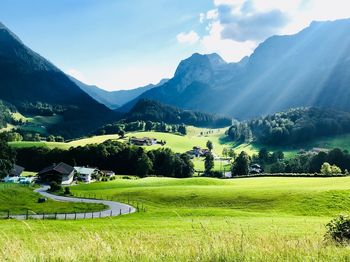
column 114, row 99
column 310, row 68
column 26, row 77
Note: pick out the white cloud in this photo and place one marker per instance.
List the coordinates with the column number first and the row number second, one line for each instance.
column 230, row 50
column 189, row 38
column 236, row 27
column 202, row 18
column 130, row 76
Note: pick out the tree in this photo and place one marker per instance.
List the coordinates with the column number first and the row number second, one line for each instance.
column 329, row 170
column 232, row 153
column 208, row 162
column 148, row 126
column 143, row 166
column 241, row 165
column 210, row 145
column 182, row 130
column 50, row 138
column 225, row 152
column 121, row 133
column 7, row 158
column 59, row 139
column 264, row 155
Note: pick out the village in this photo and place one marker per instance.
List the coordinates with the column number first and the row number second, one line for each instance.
column 60, row 173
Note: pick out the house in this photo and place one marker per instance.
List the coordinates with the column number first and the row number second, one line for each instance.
column 228, row 174
column 87, row 174
column 107, row 173
column 61, row 173
column 145, row 141
column 14, row 174
column 198, row 152
column 255, row 169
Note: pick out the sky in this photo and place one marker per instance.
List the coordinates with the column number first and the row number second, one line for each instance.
column 124, row 44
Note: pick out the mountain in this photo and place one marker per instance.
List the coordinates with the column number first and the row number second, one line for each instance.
column 28, row 80
column 148, row 110
column 114, row 99
column 310, row 68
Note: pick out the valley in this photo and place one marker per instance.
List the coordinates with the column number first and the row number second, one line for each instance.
column 238, row 154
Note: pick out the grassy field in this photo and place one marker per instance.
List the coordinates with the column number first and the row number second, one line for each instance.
column 18, row 199
column 176, row 142
column 199, row 137
column 198, row 219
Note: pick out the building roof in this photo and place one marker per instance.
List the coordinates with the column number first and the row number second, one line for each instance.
column 85, row 170
column 61, row 168
column 16, row 170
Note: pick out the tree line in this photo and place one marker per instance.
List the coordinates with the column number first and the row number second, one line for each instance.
column 291, row 127
column 111, row 155
column 140, row 126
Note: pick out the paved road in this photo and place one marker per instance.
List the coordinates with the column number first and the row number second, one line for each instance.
column 114, row 208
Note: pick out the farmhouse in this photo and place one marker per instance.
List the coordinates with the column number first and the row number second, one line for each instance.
column 145, row 141
column 61, row 173
column 107, row 173
column 14, row 174
column 198, row 152
column 87, row 174
column 255, row 169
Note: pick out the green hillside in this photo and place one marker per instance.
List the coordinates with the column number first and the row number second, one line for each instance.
column 261, row 219
column 18, row 199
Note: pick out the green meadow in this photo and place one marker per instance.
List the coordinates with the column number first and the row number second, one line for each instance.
column 19, row 198
column 196, row 219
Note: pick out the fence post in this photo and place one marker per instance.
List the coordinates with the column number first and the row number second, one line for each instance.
column 43, row 215
column 120, row 212
column 129, row 210
column 75, row 215
column 100, row 214
column 8, row 214
column 65, row 216
column 92, row 214
column 27, row 215
column 111, row 212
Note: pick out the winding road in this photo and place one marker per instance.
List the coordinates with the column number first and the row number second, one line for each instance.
column 114, row 208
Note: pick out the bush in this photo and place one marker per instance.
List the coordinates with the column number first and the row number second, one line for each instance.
column 67, row 191
column 216, row 174
column 54, row 187
column 339, row 229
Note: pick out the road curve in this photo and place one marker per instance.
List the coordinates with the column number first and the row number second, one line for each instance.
column 114, row 208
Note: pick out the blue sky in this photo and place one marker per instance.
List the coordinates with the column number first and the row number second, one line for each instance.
column 121, row 44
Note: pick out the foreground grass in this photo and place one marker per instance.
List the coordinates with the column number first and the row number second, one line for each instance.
column 198, row 219
column 18, row 199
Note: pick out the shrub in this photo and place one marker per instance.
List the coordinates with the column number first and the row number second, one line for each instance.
column 339, row 229
column 329, row 170
column 67, row 191
column 54, row 187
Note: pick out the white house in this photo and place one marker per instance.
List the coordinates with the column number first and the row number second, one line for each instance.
column 86, row 173
column 61, row 173
column 15, row 173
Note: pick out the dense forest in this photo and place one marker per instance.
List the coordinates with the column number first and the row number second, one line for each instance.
column 291, row 127
column 140, row 126
column 5, row 114
column 42, row 109
column 111, row 155
column 148, row 110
